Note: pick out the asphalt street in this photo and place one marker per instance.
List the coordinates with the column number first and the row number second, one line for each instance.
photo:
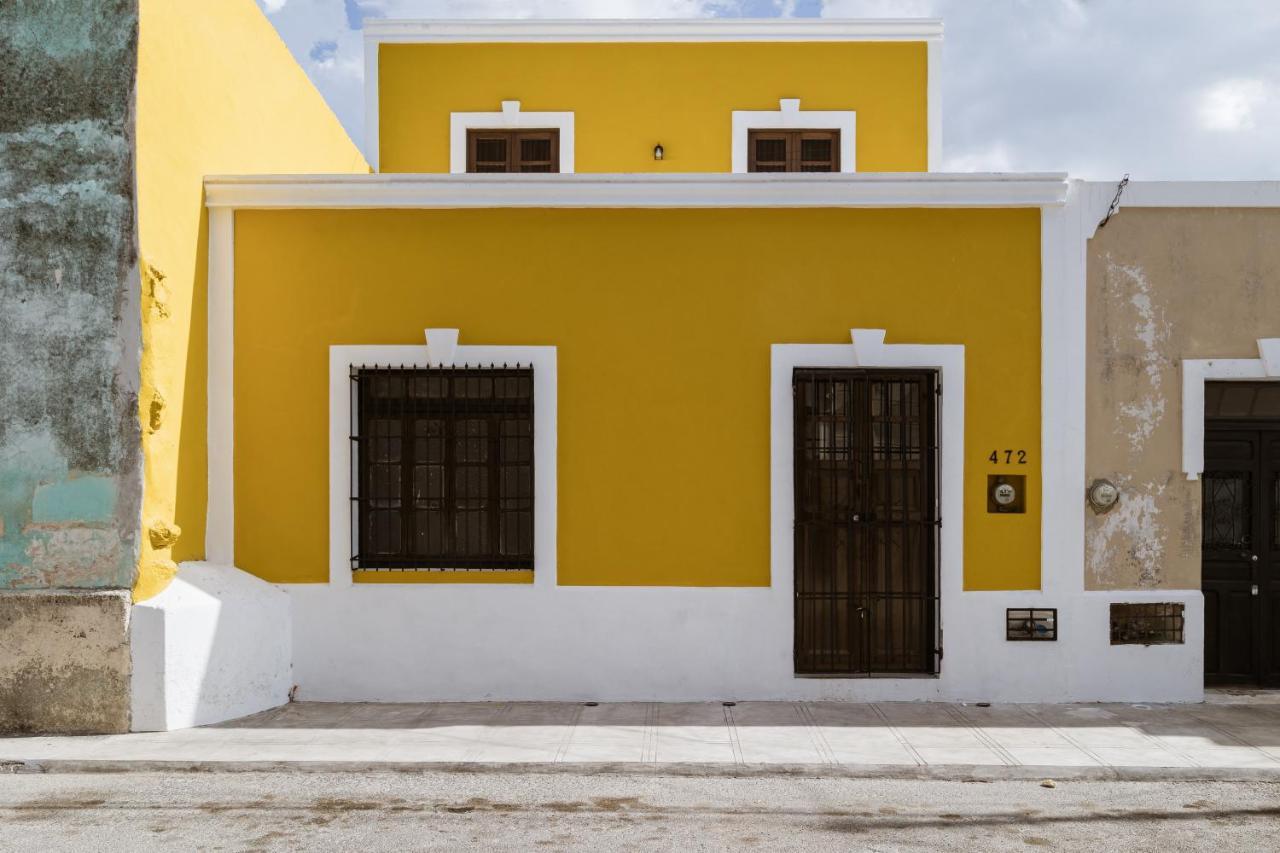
column 573, row 811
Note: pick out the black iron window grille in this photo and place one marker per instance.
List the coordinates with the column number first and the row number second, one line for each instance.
column 442, row 468
column 1031, row 623
column 1227, row 510
column 1146, row 624
column 866, row 522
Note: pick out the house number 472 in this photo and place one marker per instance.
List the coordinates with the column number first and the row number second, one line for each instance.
column 1008, row 457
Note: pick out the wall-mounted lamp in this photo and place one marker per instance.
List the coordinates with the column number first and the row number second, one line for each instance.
column 658, row 151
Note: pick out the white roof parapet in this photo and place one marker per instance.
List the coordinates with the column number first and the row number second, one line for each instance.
column 1198, row 193
column 916, row 189
column 654, row 30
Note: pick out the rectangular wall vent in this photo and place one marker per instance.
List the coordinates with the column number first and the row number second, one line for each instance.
column 1027, row 623
column 1146, row 624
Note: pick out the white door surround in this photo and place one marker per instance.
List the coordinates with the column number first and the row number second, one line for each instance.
column 1195, row 372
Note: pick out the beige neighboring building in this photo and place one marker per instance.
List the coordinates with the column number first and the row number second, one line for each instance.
column 1183, row 410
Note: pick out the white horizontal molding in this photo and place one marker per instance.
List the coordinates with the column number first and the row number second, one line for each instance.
column 631, row 190
column 1198, row 193
column 452, row 31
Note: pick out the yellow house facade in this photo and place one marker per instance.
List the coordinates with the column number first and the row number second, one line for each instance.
column 654, row 360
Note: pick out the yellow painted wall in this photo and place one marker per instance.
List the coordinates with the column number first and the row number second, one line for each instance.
column 628, row 97
column 218, row 92
column 663, row 321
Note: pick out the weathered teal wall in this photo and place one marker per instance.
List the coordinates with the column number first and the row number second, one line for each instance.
column 70, row 464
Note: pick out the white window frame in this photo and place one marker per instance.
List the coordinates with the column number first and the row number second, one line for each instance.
column 789, row 116
column 1195, row 372
column 442, row 350
column 509, row 118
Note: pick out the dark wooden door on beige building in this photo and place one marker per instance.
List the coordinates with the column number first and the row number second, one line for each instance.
column 866, row 521
column 1240, row 539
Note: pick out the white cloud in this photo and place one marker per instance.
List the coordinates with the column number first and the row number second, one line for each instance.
column 1232, row 104
column 995, row 157
column 273, row 6
column 879, row 9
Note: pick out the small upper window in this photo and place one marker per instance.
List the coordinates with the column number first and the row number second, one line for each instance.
column 794, row 151
column 513, row 150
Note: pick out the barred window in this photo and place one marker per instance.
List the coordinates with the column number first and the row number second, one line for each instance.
column 443, row 468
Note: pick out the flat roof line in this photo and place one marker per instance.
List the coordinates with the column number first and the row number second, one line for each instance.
column 658, row 191
column 665, row 29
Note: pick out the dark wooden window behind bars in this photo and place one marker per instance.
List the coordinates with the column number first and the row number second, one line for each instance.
column 793, row 151
column 866, row 521
column 444, row 468
column 513, row 151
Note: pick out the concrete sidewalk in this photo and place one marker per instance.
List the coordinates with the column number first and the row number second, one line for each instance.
column 1228, row 737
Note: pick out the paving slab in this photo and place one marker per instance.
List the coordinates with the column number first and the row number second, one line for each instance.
column 1218, row 738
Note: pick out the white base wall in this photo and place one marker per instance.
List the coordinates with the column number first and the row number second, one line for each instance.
column 457, row 642
column 215, row 645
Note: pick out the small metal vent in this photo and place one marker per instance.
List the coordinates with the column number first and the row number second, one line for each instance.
column 1034, row 624
column 1146, row 624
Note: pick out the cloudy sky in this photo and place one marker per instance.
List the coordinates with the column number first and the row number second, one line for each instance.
column 1163, row 89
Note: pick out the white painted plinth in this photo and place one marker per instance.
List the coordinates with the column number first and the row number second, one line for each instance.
column 451, row 642
column 215, row 645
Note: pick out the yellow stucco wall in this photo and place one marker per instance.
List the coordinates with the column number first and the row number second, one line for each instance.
column 663, row 320
column 217, row 92
column 628, row 97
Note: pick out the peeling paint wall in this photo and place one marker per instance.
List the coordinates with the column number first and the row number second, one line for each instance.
column 70, row 465
column 1164, row 285
column 70, row 458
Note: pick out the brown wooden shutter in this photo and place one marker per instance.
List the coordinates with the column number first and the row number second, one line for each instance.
column 513, row 150
column 769, row 151
column 537, row 151
column 488, row 152
column 793, row 151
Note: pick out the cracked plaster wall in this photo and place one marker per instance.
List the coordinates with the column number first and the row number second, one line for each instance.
column 70, row 465
column 70, row 458
column 1164, row 285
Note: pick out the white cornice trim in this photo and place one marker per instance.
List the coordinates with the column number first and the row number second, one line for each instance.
column 1195, row 193
column 694, row 30
column 631, row 190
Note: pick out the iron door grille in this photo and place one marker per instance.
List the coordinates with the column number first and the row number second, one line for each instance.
column 866, row 522
column 442, row 468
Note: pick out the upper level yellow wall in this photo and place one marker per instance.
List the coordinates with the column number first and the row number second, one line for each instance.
column 627, row 97
column 218, row 92
column 663, row 321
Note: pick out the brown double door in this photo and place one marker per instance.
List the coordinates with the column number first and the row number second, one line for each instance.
column 866, row 521
column 1240, row 542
